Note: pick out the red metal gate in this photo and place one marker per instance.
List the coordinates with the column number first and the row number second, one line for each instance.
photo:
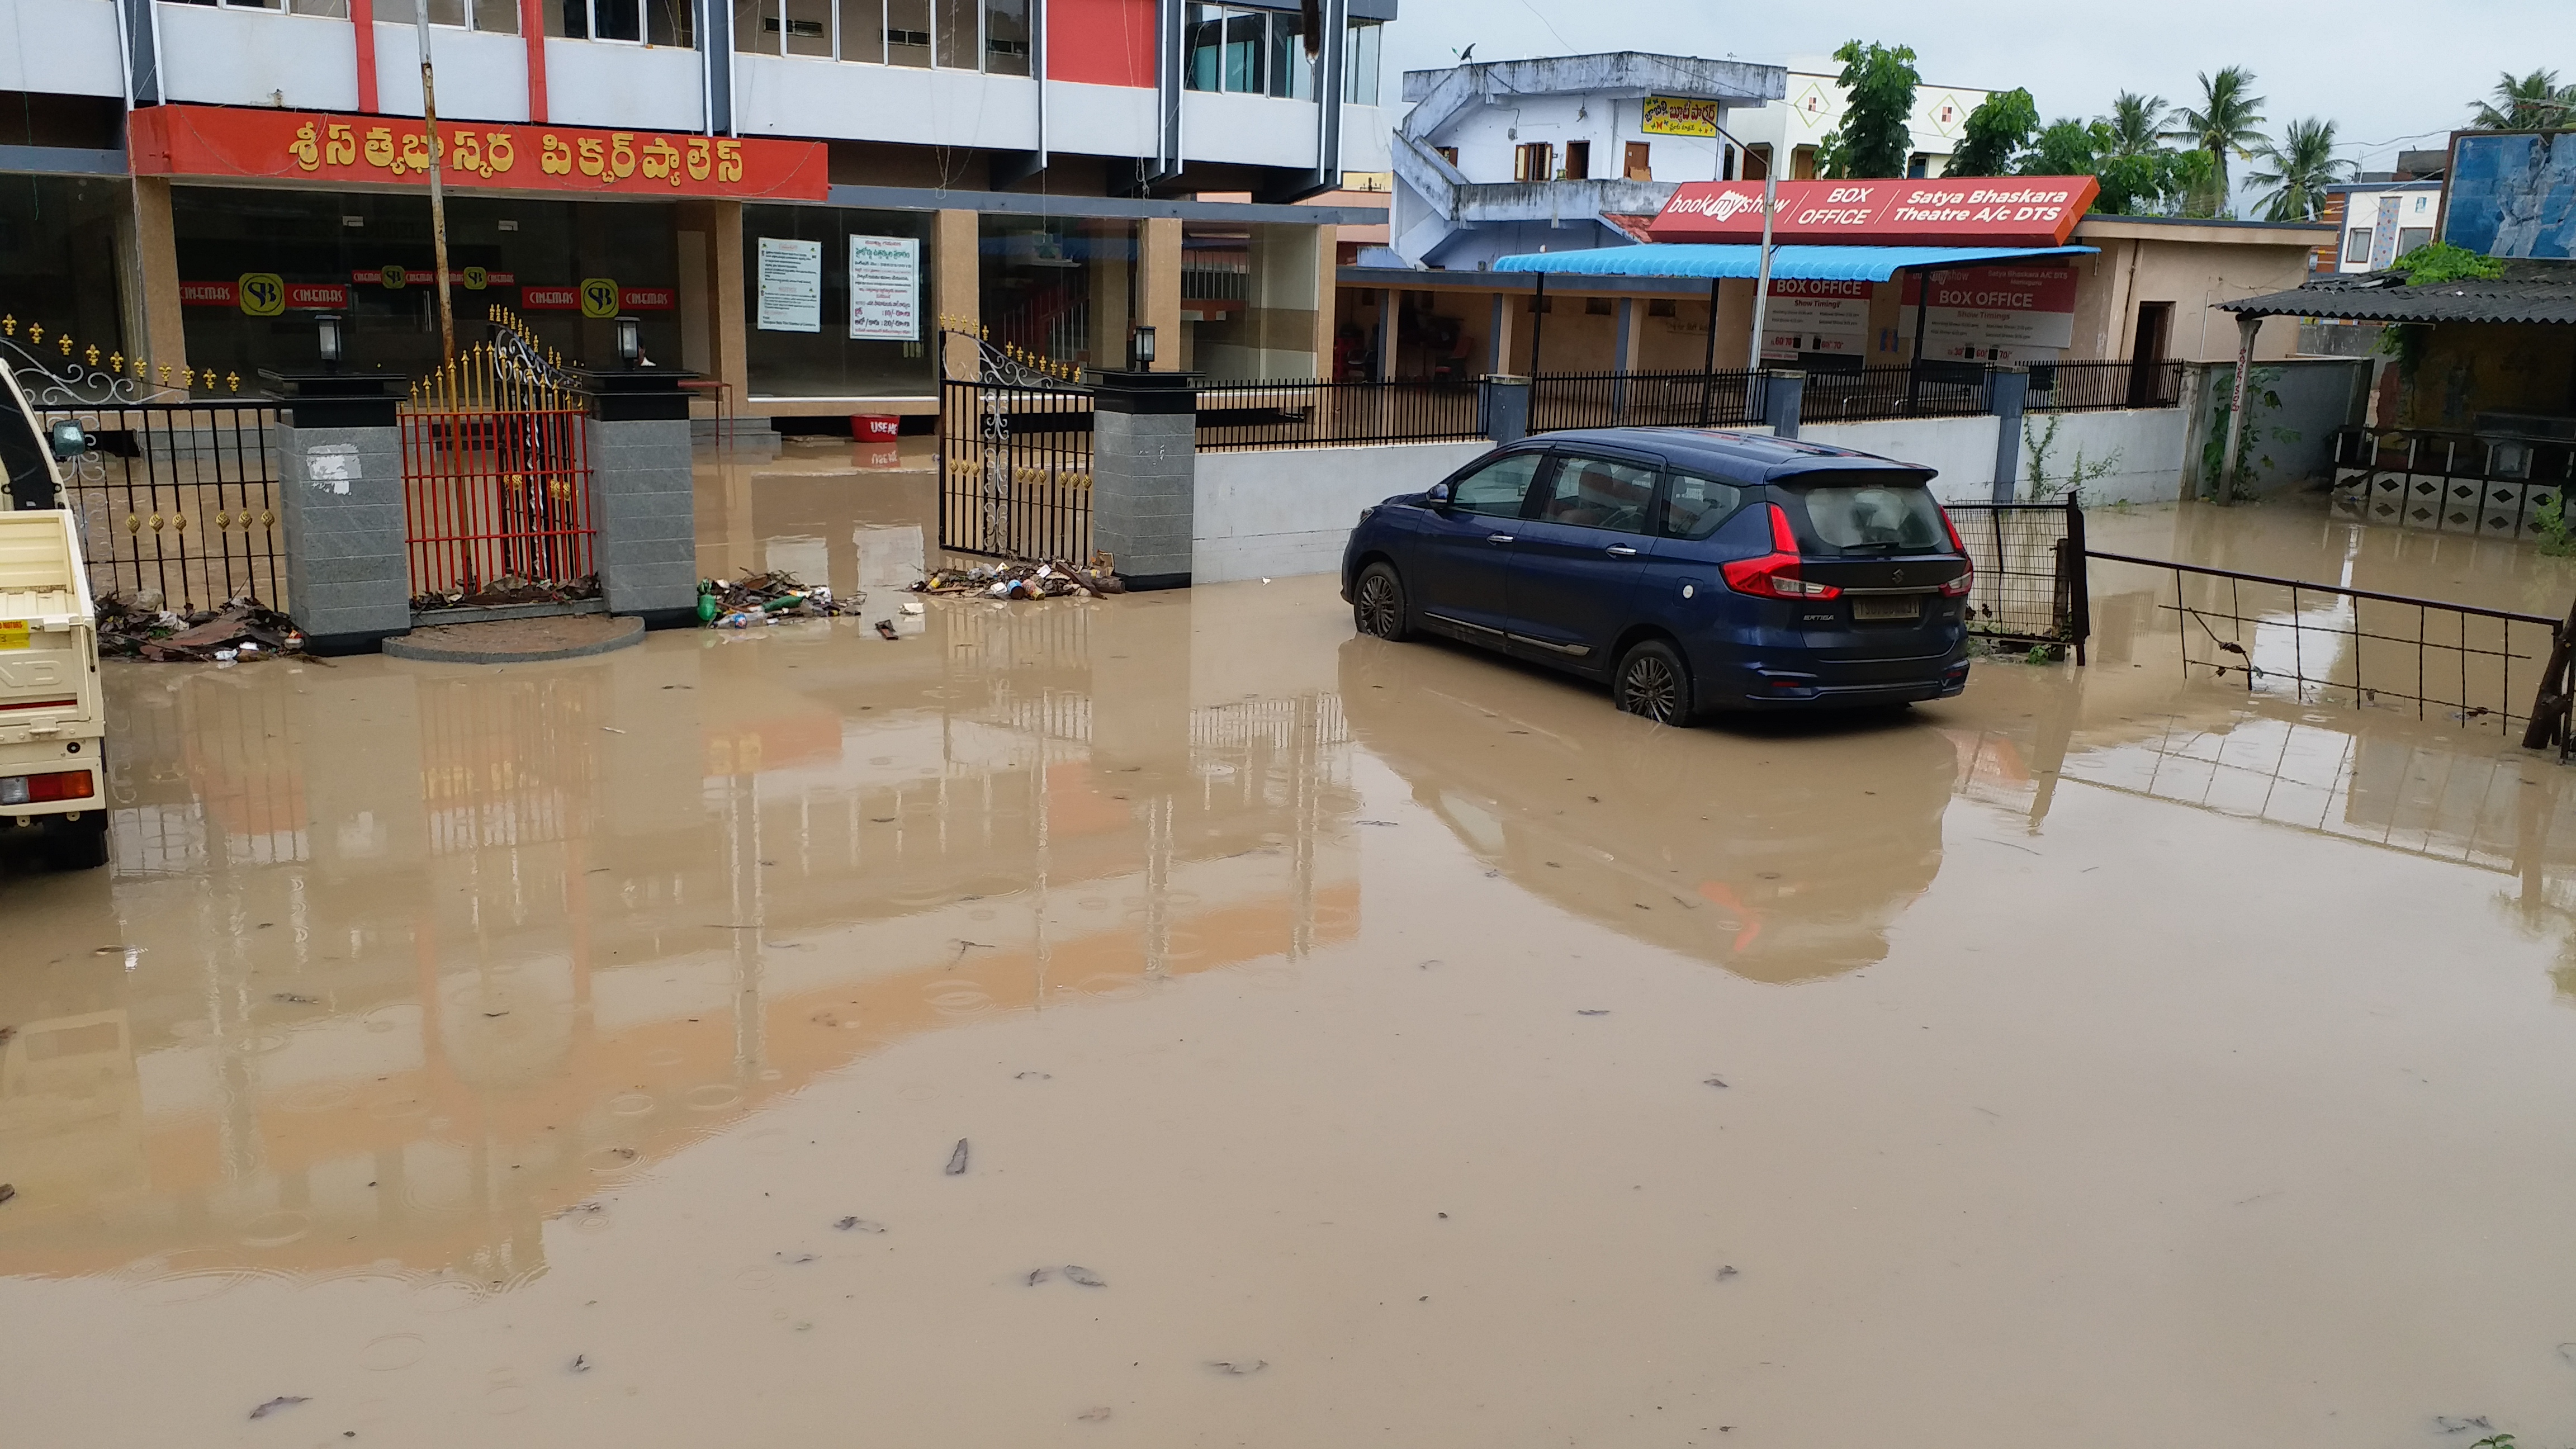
column 496, row 481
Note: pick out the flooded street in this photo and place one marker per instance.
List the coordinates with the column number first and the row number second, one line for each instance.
column 1173, row 1020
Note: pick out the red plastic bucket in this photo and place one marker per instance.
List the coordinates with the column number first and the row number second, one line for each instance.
column 873, row 428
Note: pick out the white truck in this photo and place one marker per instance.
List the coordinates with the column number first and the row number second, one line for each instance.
column 53, row 725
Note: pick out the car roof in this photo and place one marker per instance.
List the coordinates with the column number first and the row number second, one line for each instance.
column 1743, row 457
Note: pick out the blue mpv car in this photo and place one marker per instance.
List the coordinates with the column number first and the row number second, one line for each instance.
column 1693, row 570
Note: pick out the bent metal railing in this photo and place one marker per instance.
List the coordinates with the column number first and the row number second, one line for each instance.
column 2330, row 644
column 2030, row 586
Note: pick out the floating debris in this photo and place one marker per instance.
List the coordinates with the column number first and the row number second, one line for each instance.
column 1728, row 1271
column 282, row 1401
column 1040, row 1275
column 957, row 1159
column 1094, row 1416
column 133, row 625
column 1714, row 1082
column 754, row 600
column 1053, row 579
column 581, row 1363
column 1076, row 1273
column 1238, row 1367
column 509, row 591
column 859, row 1225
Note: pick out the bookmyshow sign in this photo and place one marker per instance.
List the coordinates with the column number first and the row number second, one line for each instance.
column 2033, row 211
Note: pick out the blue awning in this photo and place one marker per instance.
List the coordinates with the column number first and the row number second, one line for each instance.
column 1823, row 264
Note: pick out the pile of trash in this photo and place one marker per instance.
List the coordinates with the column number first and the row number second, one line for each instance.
column 1054, row 579
column 132, row 624
column 507, row 590
column 755, row 599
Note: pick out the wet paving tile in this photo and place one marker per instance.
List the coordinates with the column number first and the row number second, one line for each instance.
column 1172, row 1017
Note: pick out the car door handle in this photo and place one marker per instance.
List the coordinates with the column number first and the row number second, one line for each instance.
column 1498, row 538
column 1621, row 550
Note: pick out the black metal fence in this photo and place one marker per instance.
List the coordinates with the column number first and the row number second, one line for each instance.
column 2065, row 387
column 1559, row 400
column 1311, row 413
column 1015, row 471
column 2030, row 585
column 179, row 499
column 1892, row 390
column 2328, row 644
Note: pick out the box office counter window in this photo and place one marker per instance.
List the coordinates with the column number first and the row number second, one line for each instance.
column 567, row 267
column 801, row 346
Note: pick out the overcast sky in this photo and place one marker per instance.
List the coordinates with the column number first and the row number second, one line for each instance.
column 2389, row 74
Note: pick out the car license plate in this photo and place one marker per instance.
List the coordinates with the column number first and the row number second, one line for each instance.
column 1887, row 606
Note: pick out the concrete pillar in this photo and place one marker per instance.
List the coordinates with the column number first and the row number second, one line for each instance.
column 2007, row 393
column 1499, row 356
column 1144, row 473
column 1389, row 302
column 1783, row 391
column 1626, row 352
column 1110, row 285
column 642, row 496
column 1505, row 405
column 957, row 288
column 163, row 341
column 729, row 328
column 1158, row 288
column 1327, row 293
column 340, row 512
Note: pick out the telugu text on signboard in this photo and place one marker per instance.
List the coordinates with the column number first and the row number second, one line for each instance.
column 885, row 287
column 1678, row 116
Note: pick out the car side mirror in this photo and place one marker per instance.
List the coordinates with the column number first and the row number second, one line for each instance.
column 1438, row 497
column 70, row 440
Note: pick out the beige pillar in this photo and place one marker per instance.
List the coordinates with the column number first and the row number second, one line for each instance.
column 163, row 340
column 1506, row 313
column 958, row 288
column 1631, row 320
column 1735, row 339
column 1109, row 296
column 1158, row 287
column 722, row 323
column 1328, row 296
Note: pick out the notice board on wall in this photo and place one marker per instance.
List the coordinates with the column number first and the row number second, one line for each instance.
column 791, row 285
column 885, row 287
column 1995, row 314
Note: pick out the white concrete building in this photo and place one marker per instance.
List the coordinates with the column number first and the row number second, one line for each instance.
column 1796, row 124
column 1501, row 157
column 2381, row 221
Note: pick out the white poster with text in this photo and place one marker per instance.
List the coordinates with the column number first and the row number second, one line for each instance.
column 1815, row 315
column 791, row 285
column 885, row 287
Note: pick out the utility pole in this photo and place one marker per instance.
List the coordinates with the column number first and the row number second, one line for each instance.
column 437, row 193
column 1762, row 270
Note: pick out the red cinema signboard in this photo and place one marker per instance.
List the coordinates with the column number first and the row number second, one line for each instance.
column 308, row 146
column 2013, row 211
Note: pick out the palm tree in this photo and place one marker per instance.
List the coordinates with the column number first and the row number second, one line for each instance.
column 2225, row 121
column 2535, row 102
column 2134, row 121
column 2298, row 170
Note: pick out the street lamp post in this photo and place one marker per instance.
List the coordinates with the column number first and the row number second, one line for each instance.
column 1762, row 267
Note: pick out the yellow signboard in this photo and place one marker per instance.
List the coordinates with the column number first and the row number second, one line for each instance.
column 1678, row 116
column 599, row 297
column 13, row 633
column 261, row 293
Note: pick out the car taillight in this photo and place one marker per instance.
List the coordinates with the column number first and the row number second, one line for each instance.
column 44, row 789
column 1958, row 588
column 1774, row 575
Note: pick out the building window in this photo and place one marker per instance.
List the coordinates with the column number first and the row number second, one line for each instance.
column 649, row 22
column 1802, row 163
column 1359, row 63
column 2411, row 237
column 884, row 32
column 1534, row 161
column 1228, row 49
column 1757, row 162
column 827, row 361
column 1292, row 71
column 1448, row 154
column 1919, row 165
column 2356, row 244
column 500, row 17
column 1578, row 160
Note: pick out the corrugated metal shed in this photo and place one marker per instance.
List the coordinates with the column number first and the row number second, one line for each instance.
column 1808, row 263
column 2523, row 294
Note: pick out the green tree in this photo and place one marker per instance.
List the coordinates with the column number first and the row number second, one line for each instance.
column 1876, row 137
column 2298, row 170
column 2535, row 102
column 2068, row 147
column 1997, row 131
column 2226, row 122
column 2136, row 123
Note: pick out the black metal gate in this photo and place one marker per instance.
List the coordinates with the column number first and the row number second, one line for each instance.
column 1015, row 471
column 179, row 498
column 2030, row 586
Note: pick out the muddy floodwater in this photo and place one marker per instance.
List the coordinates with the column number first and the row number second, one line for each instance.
column 1171, row 1020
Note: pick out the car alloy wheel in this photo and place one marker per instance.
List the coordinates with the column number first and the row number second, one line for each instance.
column 1651, row 684
column 1379, row 607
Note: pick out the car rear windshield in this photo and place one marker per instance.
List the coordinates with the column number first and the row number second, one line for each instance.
column 1868, row 513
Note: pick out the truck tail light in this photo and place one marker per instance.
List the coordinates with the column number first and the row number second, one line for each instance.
column 45, row 789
